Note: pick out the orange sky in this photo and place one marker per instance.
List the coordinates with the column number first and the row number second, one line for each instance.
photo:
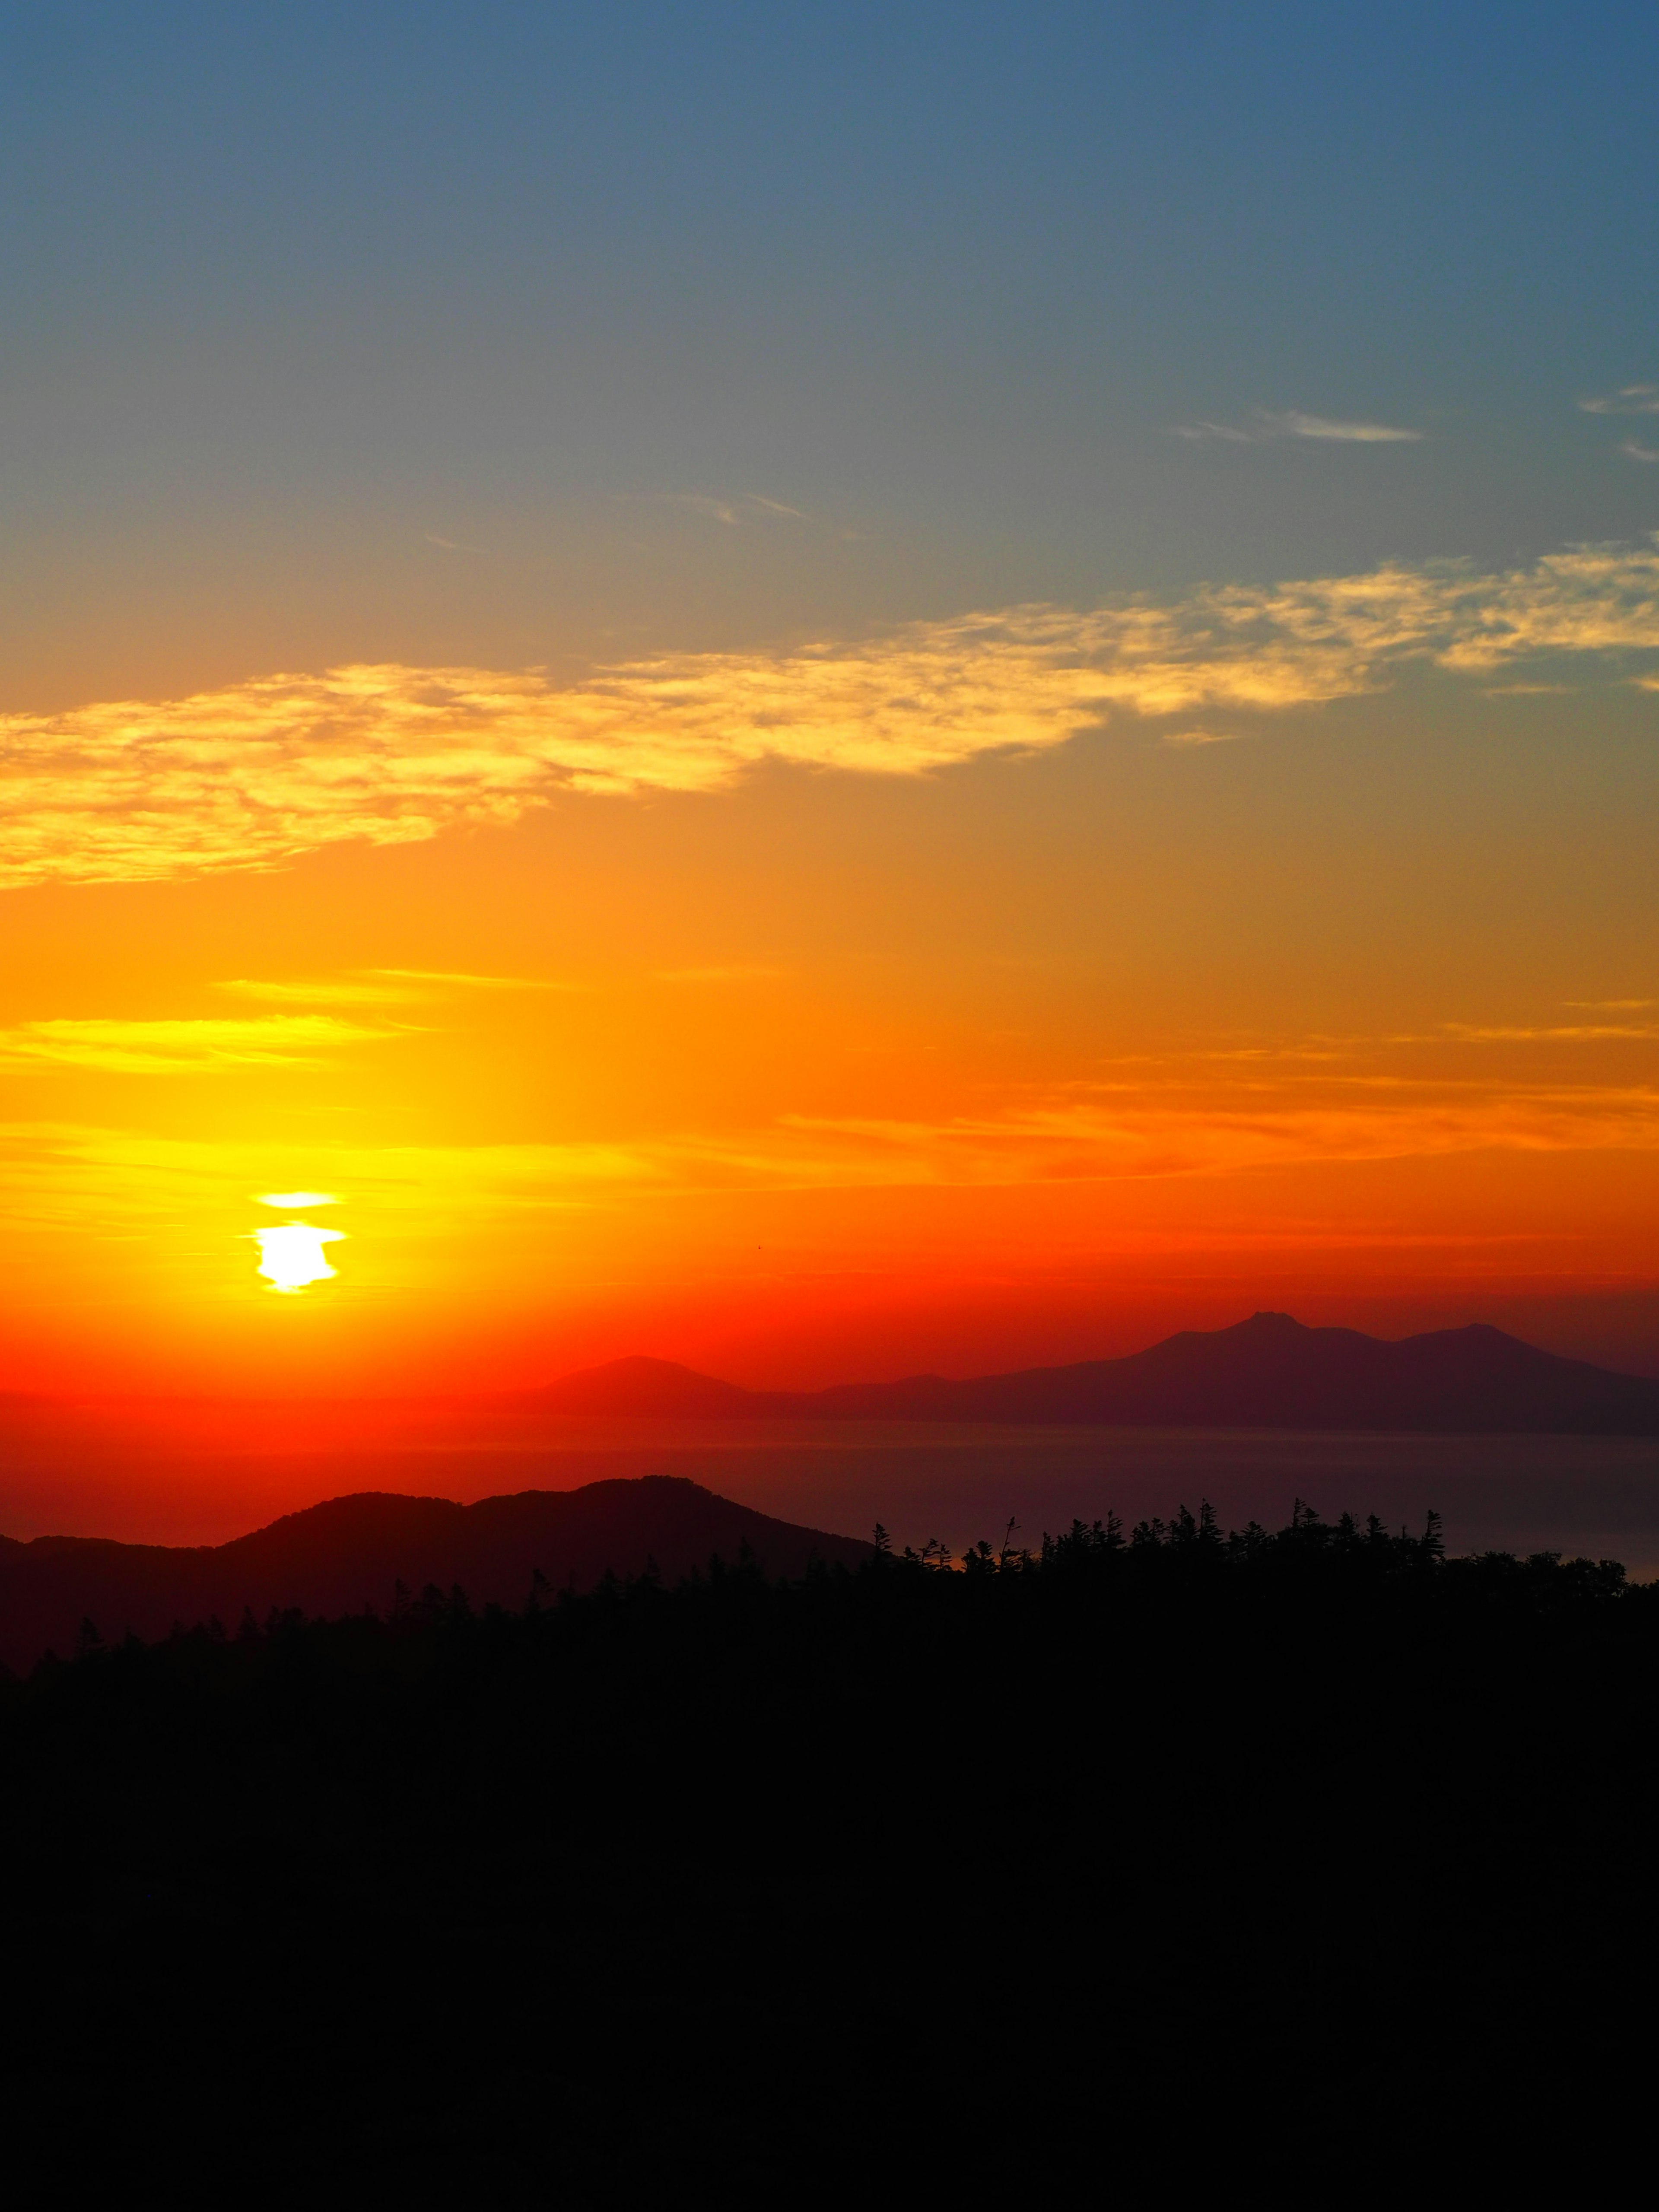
column 822, row 691
column 826, row 1069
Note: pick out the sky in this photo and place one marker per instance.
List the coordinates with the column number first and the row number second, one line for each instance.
column 826, row 691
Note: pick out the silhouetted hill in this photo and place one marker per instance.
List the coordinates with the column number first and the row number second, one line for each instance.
column 339, row 1557
column 642, row 1387
column 1267, row 1372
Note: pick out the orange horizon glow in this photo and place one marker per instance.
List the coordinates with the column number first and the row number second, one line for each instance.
column 822, row 1073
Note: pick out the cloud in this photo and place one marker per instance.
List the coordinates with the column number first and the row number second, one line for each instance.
column 744, row 506
column 719, row 510
column 1291, row 423
column 1638, row 452
column 378, row 986
column 1199, row 737
column 1630, row 399
column 746, row 972
column 183, row 1047
column 457, row 979
column 1562, row 1033
column 254, row 774
column 1285, row 1102
column 322, row 991
column 1201, row 429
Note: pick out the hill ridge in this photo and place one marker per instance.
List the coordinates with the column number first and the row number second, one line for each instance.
column 345, row 1553
column 1268, row 1372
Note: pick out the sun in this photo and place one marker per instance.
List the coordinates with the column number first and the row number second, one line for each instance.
column 291, row 1254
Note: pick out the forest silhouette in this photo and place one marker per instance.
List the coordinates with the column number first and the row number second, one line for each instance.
column 1296, row 1861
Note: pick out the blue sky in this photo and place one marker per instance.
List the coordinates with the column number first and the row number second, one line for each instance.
column 291, row 294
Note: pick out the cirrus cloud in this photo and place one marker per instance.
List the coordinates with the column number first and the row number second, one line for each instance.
column 1629, row 399
column 1291, row 422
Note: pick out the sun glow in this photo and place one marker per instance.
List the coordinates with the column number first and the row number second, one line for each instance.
column 291, row 1255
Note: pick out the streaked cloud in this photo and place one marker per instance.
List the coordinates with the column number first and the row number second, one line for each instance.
column 1223, row 431
column 1198, row 737
column 1636, row 452
column 1558, row 1033
column 733, row 512
column 256, row 774
column 98, row 1177
column 459, row 979
column 1290, row 422
column 183, row 1047
column 378, row 986
column 1629, row 399
column 740, row 972
column 320, row 991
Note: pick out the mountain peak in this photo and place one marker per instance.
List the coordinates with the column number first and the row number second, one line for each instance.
column 1270, row 1371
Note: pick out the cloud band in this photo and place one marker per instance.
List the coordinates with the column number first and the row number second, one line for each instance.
column 255, row 775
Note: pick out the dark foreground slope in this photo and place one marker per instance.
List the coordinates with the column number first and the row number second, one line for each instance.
column 1267, row 1372
column 355, row 1551
column 1304, row 1869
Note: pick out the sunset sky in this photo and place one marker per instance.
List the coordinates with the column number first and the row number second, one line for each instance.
column 823, row 690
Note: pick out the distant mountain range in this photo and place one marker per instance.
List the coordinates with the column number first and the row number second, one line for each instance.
column 337, row 1558
column 1269, row 1373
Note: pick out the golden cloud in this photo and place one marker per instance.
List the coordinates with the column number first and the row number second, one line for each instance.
column 110, row 1182
column 254, row 774
column 183, row 1047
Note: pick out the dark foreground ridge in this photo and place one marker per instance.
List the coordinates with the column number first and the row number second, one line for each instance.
column 1295, row 1867
column 1267, row 1372
column 355, row 1552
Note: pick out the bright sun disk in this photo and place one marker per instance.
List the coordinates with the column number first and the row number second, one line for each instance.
column 291, row 1254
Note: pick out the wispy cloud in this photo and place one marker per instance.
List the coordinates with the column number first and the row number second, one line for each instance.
column 256, row 774
column 184, row 1048
column 1209, row 1113
column 1629, row 399
column 1636, row 452
column 1291, row 423
column 448, row 544
column 1198, row 737
column 378, row 986
column 459, row 979
column 734, row 512
column 739, row 972
column 319, row 991
column 1557, row 1033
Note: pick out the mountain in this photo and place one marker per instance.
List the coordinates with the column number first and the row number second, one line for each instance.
column 643, row 1387
column 1267, row 1372
column 339, row 1557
